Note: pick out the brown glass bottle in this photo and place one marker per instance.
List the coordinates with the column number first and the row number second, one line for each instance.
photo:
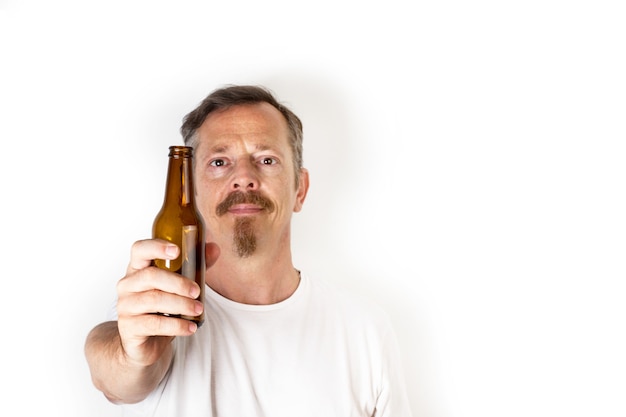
column 179, row 221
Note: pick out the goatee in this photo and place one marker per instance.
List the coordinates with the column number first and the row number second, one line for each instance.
column 244, row 239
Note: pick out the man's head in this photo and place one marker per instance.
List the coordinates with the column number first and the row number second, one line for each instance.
column 226, row 97
column 247, row 164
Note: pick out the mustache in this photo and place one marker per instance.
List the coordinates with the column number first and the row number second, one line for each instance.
column 239, row 197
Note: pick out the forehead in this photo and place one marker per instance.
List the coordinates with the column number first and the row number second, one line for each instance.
column 259, row 123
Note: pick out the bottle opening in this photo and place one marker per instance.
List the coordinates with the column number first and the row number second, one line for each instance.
column 181, row 151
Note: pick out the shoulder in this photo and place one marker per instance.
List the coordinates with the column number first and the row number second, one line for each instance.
column 345, row 304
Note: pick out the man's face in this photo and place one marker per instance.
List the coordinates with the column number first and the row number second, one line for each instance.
column 245, row 181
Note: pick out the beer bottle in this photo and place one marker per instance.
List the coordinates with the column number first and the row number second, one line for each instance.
column 179, row 222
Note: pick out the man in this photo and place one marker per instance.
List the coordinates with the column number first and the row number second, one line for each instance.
column 275, row 342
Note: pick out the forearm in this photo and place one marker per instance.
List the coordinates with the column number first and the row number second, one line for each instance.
column 112, row 373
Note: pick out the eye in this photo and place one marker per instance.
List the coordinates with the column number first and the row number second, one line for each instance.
column 268, row 161
column 217, row 163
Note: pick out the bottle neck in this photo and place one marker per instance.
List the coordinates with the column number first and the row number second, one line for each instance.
column 180, row 188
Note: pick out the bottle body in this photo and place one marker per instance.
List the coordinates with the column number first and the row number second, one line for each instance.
column 179, row 222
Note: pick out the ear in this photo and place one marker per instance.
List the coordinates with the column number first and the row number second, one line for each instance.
column 303, row 188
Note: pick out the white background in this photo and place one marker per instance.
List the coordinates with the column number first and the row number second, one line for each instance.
column 467, row 164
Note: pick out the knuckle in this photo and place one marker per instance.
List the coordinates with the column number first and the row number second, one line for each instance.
column 137, row 245
column 153, row 297
column 148, row 275
column 154, row 322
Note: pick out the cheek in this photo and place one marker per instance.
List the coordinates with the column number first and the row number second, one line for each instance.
column 204, row 200
column 292, row 203
column 202, row 205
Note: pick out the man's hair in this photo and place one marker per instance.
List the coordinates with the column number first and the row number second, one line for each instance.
column 233, row 95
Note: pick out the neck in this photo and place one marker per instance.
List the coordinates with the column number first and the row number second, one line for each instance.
column 253, row 281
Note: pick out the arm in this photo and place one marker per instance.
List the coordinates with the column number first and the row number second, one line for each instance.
column 117, row 376
column 129, row 358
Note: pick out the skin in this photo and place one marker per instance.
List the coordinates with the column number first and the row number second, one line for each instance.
column 243, row 148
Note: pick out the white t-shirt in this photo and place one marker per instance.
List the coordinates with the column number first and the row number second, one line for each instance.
column 319, row 353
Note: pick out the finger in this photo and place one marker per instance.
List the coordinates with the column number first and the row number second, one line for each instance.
column 136, row 329
column 143, row 252
column 155, row 301
column 153, row 278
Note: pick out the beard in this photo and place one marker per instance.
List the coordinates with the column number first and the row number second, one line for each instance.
column 244, row 236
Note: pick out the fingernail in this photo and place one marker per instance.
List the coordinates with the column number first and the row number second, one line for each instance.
column 171, row 251
column 198, row 307
column 195, row 292
column 193, row 327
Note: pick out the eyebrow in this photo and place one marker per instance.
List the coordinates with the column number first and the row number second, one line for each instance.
column 218, row 149
column 224, row 148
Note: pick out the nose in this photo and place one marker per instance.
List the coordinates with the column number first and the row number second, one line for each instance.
column 244, row 177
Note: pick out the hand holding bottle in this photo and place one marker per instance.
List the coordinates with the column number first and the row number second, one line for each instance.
column 146, row 290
